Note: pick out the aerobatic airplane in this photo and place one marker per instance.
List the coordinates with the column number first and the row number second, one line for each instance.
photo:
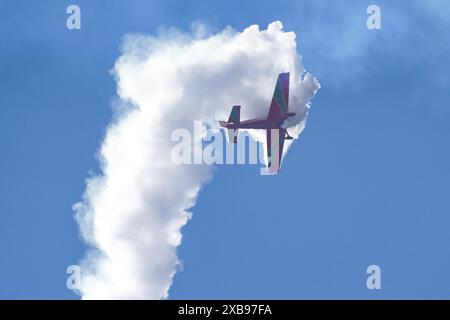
column 275, row 133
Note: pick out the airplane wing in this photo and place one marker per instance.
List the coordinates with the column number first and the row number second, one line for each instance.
column 275, row 144
column 280, row 100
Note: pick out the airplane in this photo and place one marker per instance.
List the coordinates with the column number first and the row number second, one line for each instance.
column 275, row 133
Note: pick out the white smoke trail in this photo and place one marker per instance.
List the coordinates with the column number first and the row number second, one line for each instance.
column 132, row 213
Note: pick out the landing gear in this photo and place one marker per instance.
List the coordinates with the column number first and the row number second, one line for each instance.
column 288, row 137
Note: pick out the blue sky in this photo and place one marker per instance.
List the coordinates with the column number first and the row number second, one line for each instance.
column 367, row 183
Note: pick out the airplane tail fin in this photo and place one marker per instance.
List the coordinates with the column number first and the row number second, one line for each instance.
column 234, row 118
column 235, row 115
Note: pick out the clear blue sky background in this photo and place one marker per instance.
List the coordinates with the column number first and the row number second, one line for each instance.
column 367, row 183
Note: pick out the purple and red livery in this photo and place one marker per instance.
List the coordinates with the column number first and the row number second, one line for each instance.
column 275, row 133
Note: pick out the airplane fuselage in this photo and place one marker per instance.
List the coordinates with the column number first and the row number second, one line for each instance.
column 260, row 123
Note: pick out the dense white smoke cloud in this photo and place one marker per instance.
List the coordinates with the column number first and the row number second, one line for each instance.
column 132, row 213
